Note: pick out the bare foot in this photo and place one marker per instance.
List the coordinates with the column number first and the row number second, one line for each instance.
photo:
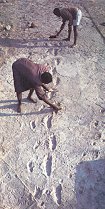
column 19, row 109
column 57, row 108
column 32, row 100
column 73, row 45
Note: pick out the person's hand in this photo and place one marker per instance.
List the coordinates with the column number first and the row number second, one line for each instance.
column 19, row 109
column 66, row 39
column 54, row 36
column 53, row 90
column 57, row 108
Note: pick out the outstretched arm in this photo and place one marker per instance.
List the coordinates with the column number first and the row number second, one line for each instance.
column 55, row 107
column 42, row 96
column 61, row 28
column 45, row 87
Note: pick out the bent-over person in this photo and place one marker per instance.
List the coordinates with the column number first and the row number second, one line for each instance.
column 73, row 15
column 31, row 76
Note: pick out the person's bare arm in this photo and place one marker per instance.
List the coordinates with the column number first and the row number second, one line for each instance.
column 61, row 28
column 55, row 107
column 42, row 96
column 45, row 87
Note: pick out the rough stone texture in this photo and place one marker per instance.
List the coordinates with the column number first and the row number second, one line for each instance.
column 96, row 10
column 52, row 161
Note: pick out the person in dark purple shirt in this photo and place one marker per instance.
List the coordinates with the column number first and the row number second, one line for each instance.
column 31, row 76
column 73, row 15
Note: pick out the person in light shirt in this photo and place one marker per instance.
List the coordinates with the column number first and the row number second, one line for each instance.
column 73, row 15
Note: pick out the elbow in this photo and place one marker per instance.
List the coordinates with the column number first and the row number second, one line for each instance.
column 41, row 97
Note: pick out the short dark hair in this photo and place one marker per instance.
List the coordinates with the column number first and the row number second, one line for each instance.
column 46, row 77
column 56, row 11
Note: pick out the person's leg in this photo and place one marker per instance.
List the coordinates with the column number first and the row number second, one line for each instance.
column 69, row 33
column 29, row 96
column 75, row 34
column 19, row 97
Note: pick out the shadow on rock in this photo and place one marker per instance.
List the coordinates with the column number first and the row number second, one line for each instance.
column 31, row 43
column 7, row 104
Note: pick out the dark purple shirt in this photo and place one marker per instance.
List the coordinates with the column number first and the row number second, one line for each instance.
column 27, row 75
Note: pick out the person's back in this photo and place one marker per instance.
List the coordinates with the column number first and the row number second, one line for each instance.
column 68, row 12
column 28, row 72
column 31, row 76
column 71, row 14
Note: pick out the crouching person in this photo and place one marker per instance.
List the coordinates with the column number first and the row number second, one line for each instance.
column 31, row 76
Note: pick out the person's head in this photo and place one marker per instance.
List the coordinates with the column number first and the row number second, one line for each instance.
column 56, row 12
column 46, row 77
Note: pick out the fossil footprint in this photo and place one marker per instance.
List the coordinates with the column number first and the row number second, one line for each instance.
column 57, row 194
column 52, row 142
column 47, row 165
